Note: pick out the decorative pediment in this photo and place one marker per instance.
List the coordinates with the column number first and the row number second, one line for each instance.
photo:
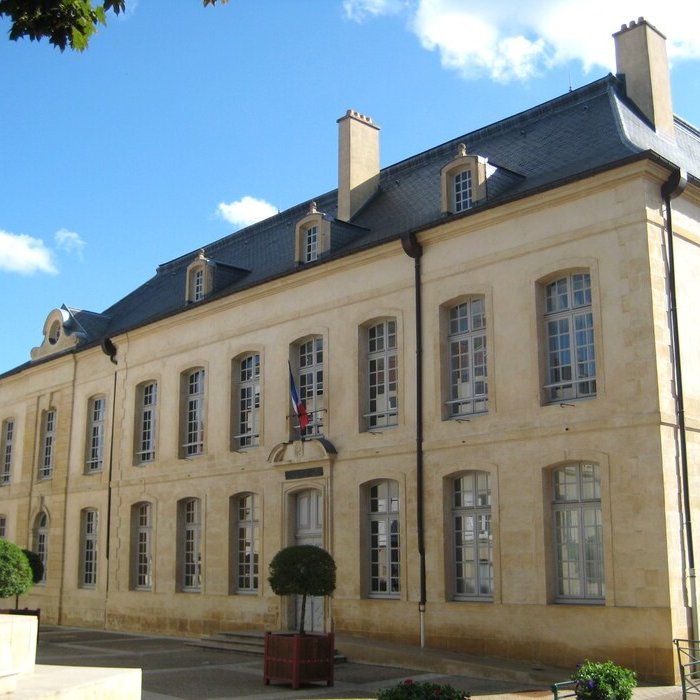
column 58, row 336
column 302, row 452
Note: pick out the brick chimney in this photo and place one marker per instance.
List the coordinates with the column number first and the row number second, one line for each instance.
column 358, row 162
column 640, row 50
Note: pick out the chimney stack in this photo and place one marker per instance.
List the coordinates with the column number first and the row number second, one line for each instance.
column 358, row 162
column 640, row 50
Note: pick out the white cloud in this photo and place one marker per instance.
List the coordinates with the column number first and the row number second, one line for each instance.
column 245, row 211
column 24, row 254
column 509, row 40
column 70, row 241
column 361, row 10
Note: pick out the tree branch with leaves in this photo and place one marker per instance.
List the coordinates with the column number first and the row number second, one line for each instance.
column 63, row 22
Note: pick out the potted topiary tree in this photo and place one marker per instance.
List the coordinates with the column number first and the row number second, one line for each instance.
column 15, row 571
column 300, row 570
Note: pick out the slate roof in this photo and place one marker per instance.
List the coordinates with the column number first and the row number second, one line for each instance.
column 570, row 137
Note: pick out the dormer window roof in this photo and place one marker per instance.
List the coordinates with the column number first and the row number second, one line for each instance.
column 463, row 181
column 312, row 236
column 200, row 278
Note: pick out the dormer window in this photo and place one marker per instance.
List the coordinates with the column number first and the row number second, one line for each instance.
column 313, row 236
column 463, row 182
column 463, row 190
column 55, row 332
column 200, row 278
column 310, row 243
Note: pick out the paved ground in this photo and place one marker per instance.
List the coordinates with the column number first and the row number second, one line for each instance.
column 173, row 670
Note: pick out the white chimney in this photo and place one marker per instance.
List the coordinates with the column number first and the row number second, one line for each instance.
column 358, row 162
column 640, row 50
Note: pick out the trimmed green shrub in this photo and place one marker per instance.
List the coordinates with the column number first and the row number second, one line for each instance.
column 411, row 690
column 15, row 572
column 35, row 564
column 604, row 680
column 304, row 570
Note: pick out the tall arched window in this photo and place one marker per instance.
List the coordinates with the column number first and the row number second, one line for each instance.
column 40, row 541
column 245, row 398
column 384, row 539
column 141, row 546
column 382, row 375
column 473, row 539
column 190, row 544
column 570, row 338
column 578, row 532
column 246, row 543
column 94, row 443
column 88, row 548
column 192, row 418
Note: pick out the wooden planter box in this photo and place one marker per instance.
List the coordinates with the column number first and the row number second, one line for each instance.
column 299, row 658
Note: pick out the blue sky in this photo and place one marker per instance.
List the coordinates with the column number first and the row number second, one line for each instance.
column 181, row 124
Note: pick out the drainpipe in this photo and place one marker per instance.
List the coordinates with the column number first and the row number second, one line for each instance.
column 110, row 349
column 413, row 249
column 672, row 188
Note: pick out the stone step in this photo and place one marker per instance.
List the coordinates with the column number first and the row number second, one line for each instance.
column 240, row 641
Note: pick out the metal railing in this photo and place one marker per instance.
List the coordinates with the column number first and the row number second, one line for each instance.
column 688, row 651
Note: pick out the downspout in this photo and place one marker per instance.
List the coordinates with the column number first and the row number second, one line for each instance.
column 413, row 249
column 672, row 188
column 109, row 349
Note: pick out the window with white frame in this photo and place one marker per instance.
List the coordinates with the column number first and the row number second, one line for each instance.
column 88, row 548
column 189, row 545
column 198, row 284
column 578, row 533
column 382, row 375
column 200, row 276
column 3, row 527
column 192, row 430
column 247, row 542
column 146, row 409
column 384, row 539
column 568, row 319
column 462, row 190
column 95, row 434
column 40, row 541
column 311, row 383
column 8, row 437
column 468, row 373
column 246, row 397
column 473, row 539
column 142, row 542
column 310, row 243
column 48, row 438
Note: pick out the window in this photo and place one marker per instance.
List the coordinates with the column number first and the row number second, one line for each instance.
column 192, row 429
column 568, row 318
column 8, row 436
column 88, row 548
column 468, row 381
column 189, row 545
column 310, row 243
column 246, row 538
column 384, row 541
column 48, row 435
column 141, row 539
column 246, row 394
column 3, row 527
column 578, row 533
column 473, row 541
column 200, row 278
column 146, row 406
column 382, row 375
column 95, row 434
column 40, row 541
column 309, row 359
column 462, row 183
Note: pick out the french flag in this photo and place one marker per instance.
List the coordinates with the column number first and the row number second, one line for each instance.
column 298, row 404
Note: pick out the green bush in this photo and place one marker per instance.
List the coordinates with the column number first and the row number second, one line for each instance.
column 411, row 690
column 604, row 680
column 15, row 572
column 304, row 570
column 35, row 564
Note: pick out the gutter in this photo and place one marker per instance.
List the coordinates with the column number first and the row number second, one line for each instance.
column 414, row 250
column 672, row 188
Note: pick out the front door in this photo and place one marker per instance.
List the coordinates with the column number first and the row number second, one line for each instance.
column 309, row 530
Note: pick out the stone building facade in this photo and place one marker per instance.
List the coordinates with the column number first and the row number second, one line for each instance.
column 488, row 338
